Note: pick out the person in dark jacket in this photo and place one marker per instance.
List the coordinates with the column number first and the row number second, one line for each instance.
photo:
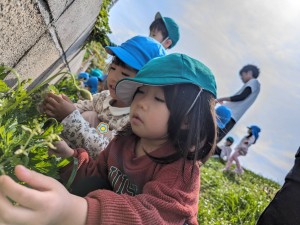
column 285, row 206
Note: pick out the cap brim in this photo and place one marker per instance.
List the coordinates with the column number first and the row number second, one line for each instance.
column 126, row 87
column 123, row 55
column 126, row 90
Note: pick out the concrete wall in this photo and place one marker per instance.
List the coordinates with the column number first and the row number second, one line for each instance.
column 39, row 38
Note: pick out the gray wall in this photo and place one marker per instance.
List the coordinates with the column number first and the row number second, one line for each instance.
column 39, row 38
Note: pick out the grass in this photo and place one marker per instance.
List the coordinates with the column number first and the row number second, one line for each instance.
column 230, row 199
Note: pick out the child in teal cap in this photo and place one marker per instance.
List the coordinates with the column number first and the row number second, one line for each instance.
column 153, row 165
column 90, row 123
column 224, row 151
column 165, row 30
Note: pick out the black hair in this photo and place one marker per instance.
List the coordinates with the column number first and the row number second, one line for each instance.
column 159, row 25
column 197, row 140
column 117, row 61
column 250, row 134
column 254, row 69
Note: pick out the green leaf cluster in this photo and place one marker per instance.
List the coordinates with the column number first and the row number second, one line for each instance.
column 25, row 134
column 101, row 27
column 95, row 54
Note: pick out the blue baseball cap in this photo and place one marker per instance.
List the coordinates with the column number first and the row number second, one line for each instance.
column 83, row 75
column 137, row 51
column 92, row 83
column 223, row 116
column 168, row 70
column 255, row 131
column 172, row 28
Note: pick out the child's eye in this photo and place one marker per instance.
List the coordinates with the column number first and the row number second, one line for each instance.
column 159, row 99
column 139, row 91
column 125, row 75
column 112, row 68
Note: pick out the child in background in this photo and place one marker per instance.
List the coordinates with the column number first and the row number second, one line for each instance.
column 164, row 30
column 242, row 100
column 225, row 150
column 106, row 111
column 83, row 77
column 101, row 78
column 242, row 148
column 223, row 114
column 153, row 164
column 92, row 85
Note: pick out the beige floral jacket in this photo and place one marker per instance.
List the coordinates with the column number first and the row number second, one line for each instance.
column 78, row 132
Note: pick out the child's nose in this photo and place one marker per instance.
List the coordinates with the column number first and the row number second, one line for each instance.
column 143, row 102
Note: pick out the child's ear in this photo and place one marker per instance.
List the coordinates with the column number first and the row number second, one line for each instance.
column 168, row 43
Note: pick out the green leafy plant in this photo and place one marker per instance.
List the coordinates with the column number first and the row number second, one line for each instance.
column 101, row 27
column 25, row 134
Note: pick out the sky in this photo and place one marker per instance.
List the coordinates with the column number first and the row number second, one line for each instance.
column 226, row 35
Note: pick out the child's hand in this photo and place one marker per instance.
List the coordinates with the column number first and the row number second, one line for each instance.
column 62, row 150
column 48, row 202
column 58, row 107
column 222, row 100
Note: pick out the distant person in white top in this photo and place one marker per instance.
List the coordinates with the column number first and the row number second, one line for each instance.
column 225, row 150
column 242, row 100
column 242, row 148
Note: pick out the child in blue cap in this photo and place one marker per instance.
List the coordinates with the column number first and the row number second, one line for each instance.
column 92, row 85
column 89, row 124
column 83, row 77
column 101, row 78
column 153, row 165
column 165, row 30
column 223, row 114
column 242, row 148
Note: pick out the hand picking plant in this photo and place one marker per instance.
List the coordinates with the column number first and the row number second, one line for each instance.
column 25, row 134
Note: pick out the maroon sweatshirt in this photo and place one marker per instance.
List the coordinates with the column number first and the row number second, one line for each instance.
column 144, row 192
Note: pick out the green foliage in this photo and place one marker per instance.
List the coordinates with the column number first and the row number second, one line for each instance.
column 67, row 87
column 101, row 28
column 95, row 54
column 25, row 134
column 231, row 199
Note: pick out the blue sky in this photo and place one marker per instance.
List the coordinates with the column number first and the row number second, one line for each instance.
column 226, row 35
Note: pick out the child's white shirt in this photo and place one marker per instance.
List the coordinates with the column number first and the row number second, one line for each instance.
column 225, row 153
column 78, row 132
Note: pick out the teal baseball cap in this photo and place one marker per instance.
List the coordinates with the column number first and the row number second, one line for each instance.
column 98, row 73
column 137, row 51
column 172, row 69
column 172, row 28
